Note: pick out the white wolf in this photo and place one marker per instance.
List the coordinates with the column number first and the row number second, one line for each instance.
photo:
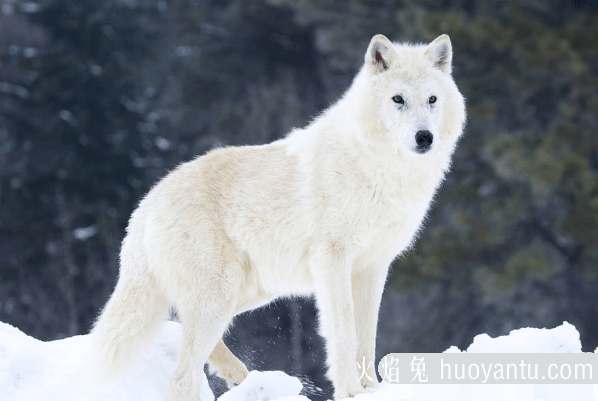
column 323, row 211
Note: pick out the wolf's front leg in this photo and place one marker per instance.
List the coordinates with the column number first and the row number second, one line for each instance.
column 332, row 279
column 367, row 284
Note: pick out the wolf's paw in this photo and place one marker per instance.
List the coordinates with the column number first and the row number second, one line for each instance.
column 369, row 379
column 349, row 391
column 234, row 374
column 367, row 383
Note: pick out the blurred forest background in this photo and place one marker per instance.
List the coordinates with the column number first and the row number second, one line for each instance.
column 99, row 99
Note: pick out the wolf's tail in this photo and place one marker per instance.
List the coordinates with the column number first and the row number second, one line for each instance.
column 134, row 312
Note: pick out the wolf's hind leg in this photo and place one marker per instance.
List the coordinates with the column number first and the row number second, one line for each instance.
column 198, row 340
column 227, row 365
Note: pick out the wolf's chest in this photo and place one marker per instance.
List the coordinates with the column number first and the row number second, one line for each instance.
column 394, row 216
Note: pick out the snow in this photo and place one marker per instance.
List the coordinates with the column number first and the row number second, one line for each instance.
column 562, row 339
column 265, row 386
column 59, row 370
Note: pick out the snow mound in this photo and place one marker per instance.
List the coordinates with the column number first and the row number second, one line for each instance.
column 561, row 339
column 265, row 386
column 59, row 370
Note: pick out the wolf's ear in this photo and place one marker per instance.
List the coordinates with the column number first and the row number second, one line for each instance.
column 440, row 53
column 380, row 54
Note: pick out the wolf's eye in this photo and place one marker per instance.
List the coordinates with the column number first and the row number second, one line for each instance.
column 432, row 99
column 398, row 99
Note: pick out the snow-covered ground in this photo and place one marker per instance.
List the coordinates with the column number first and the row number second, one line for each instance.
column 58, row 370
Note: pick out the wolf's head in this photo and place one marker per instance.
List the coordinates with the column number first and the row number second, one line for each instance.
column 412, row 95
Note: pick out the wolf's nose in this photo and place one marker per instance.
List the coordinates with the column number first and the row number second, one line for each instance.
column 424, row 139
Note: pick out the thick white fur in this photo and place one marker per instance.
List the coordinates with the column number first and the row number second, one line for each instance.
column 324, row 211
